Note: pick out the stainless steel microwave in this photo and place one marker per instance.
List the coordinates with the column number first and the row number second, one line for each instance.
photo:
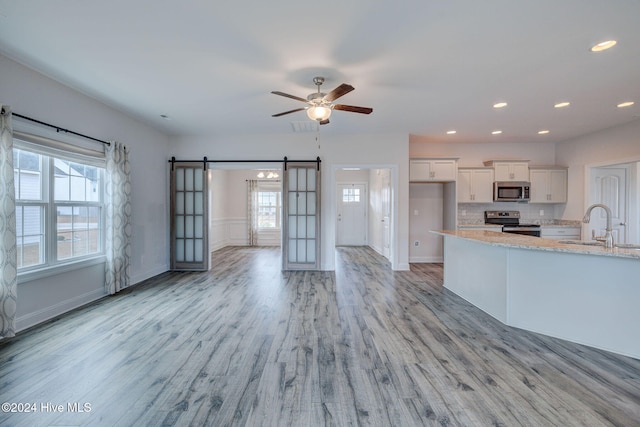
column 511, row 191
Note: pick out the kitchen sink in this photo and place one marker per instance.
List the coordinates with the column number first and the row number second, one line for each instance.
column 627, row 246
column 593, row 243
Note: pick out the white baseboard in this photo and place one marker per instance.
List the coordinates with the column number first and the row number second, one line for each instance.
column 34, row 318
column 141, row 277
column 425, row 259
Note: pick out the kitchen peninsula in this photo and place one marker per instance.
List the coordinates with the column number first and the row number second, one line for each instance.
column 580, row 293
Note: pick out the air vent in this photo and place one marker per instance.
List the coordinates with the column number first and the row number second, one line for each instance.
column 306, row 126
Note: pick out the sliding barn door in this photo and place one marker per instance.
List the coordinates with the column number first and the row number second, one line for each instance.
column 301, row 228
column 189, row 217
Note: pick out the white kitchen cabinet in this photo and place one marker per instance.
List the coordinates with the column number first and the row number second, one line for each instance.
column 561, row 233
column 548, row 185
column 432, row 170
column 475, row 185
column 509, row 170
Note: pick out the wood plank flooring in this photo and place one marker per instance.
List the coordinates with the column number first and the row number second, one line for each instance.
column 246, row 344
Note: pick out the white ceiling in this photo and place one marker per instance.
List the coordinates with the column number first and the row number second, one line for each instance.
column 424, row 66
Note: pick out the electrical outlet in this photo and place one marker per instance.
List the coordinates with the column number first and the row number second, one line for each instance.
column 415, row 212
column 416, row 243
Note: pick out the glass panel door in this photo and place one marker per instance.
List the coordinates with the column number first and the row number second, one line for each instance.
column 301, row 228
column 189, row 216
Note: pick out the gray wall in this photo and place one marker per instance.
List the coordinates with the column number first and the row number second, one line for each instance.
column 35, row 95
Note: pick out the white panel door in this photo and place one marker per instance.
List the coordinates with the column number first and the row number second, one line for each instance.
column 609, row 187
column 386, row 213
column 351, row 227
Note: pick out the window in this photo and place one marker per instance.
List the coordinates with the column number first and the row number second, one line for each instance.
column 350, row 195
column 268, row 206
column 59, row 209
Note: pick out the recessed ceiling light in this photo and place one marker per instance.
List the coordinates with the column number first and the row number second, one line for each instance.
column 562, row 104
column 451, row 132
column 625, row 104
column 496, row 132
column 603, row 46
column 164, row 116
column 500, row 105
column 543, row 132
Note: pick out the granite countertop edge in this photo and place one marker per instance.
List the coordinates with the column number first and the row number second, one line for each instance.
column 520, row 241
column 544, row 223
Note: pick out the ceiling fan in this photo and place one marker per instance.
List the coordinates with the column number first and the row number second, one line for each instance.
column 321, row 104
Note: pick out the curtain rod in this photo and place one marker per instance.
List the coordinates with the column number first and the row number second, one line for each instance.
column 58, row 128
column 205, row 160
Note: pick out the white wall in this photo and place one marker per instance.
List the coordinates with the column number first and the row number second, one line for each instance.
column 32, row 94
column 218, row 231
column 336, row 152
column 473, row 155
column 426, row 207
column 378, row 187
column 612, row 146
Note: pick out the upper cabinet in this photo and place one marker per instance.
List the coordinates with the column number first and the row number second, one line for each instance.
column 475, row 185
column 548, row 185
column 509, row 170
column 432, row 170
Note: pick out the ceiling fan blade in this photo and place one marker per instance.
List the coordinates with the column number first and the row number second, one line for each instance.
column 288, row 112
column 297, row 98
column 353, row 109
column 324, row 122
column 341, row 90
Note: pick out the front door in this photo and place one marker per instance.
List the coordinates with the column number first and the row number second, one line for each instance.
column 609, row 187
column 352, row 215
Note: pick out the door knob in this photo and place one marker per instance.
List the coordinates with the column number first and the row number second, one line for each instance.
column 623, row 223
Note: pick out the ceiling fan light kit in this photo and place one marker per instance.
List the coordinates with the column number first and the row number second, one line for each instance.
column 321, row 104
column 319, row 113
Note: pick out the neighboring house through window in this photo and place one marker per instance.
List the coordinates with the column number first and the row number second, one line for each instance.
column 59, row 209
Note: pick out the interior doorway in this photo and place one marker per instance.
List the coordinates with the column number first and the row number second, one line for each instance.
column 364, row 208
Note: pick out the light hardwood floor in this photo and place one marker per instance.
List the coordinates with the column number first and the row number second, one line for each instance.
column 246, row 344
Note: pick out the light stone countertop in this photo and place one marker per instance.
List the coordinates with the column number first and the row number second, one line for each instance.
column 537, row 243
column 545, row 223
column 479, row 225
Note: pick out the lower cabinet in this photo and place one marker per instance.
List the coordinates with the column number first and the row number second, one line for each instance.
column 561, row 233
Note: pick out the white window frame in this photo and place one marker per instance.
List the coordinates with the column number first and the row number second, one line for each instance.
column 271, row 187
column 51, row 264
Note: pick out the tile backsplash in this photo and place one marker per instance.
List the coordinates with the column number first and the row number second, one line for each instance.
column 471, row 213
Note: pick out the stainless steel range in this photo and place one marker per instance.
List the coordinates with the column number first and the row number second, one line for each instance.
column 510, row 221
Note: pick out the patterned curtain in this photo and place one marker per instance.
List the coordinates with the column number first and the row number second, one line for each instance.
column 8, row 250
column 252, row 211
column 118, row 226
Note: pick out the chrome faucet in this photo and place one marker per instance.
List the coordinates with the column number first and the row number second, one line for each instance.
column 608, row 236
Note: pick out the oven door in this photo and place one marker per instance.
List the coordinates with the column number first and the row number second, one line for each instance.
column 527, row 231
